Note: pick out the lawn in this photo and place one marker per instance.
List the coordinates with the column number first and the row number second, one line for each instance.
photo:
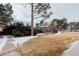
column 48, row 45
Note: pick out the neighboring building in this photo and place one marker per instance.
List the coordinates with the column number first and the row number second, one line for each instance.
column 43, row 26
column 54, row 25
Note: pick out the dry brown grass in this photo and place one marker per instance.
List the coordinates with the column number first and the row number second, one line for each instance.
column 50, row 45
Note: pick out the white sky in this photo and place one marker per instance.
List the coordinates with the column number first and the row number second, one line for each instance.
column 22, row 12
column 69, row 11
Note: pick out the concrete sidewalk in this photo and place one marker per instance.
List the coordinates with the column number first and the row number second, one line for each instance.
column 73, row 50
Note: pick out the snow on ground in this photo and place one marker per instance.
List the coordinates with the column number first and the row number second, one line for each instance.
column 14, row 40
column 19, row 40
column 3, row 42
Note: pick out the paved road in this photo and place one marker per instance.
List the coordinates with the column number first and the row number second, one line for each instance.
column 73, row 50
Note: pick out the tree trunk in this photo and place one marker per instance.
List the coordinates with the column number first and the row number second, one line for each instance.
column 31, row 19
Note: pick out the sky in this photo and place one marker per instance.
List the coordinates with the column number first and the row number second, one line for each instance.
column 22, row 12
column 65, row 10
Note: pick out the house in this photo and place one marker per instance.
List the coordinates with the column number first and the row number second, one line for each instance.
column 54, row 26
column 44, row 27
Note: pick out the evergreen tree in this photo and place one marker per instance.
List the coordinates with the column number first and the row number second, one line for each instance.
column 6, row 13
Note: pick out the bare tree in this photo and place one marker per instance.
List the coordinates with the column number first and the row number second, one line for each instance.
column 32, row 19
column 39, row 10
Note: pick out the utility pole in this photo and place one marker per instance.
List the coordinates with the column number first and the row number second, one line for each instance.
column 32, row 20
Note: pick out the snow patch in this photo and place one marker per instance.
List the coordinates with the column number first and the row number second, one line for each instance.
column 20, row 40
column 3, row 42
column 14, row 40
